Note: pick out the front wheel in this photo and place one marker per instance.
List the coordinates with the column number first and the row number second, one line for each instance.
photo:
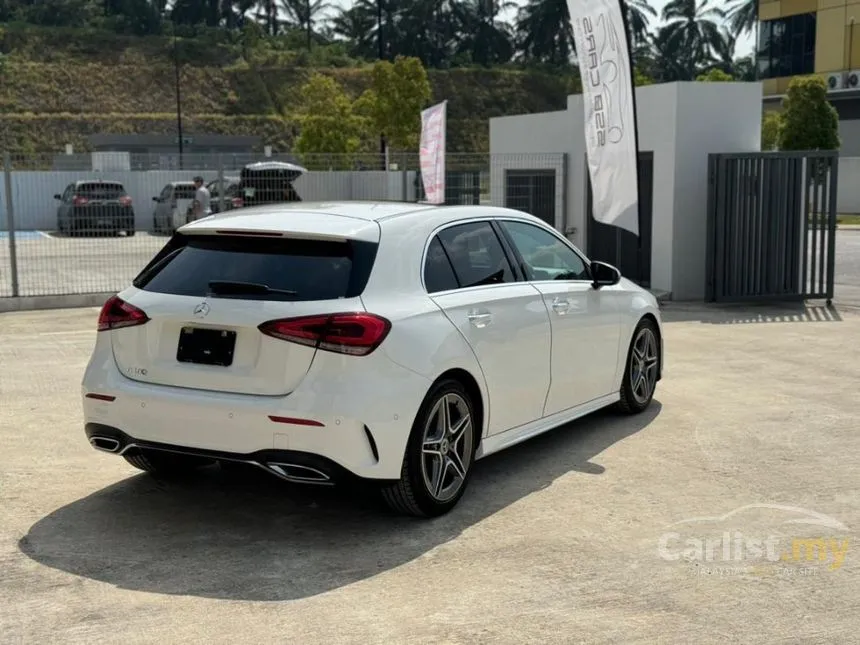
column 439, row 455
column 642, row 369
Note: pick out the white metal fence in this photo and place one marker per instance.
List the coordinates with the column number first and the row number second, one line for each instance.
column 43, row 252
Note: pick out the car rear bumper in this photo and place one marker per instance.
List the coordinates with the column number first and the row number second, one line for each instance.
column 291, row 465
column 354, row 412
column 101, row 218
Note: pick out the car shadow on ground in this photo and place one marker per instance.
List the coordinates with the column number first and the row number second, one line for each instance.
column 748, row 313
column 249, row 537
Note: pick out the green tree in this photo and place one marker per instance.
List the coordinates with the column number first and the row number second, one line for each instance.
column 692, row 31
column 771, row 122
column 715, row 75
column 327, row 121
column 399, row 91
column 809, row 121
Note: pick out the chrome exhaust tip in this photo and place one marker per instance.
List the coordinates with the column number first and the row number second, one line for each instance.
column 299, row 473
column 105, row 444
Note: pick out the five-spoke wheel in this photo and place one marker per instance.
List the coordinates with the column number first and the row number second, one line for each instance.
column 439, row 455
column 643, row 368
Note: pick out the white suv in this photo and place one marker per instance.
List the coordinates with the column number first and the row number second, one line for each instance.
column 390, row 342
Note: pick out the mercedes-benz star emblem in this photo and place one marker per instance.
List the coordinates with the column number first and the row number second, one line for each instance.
column 201, row 310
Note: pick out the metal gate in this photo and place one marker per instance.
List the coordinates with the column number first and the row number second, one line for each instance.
column 462, row 187
column 622, row 249
column 771, row 226
column 532, row 191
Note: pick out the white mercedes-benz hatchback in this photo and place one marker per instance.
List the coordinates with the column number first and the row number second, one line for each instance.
column 392, row 342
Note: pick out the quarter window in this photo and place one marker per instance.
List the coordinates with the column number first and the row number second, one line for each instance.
column 438, row 272
column 545, row 257
column 476, row 255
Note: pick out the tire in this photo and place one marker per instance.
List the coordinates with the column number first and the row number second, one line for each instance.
column 642, row 368
column 130, row 232
column 165, row 463
column 413, row 493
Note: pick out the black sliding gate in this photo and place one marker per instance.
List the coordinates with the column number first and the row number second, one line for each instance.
column 621, row 248
column 771, row 226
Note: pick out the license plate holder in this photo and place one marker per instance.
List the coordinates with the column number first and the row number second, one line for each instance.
column 204, row 346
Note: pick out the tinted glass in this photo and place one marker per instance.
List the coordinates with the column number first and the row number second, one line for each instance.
column 476, row 254
column 438, row 272
column 545, row 257
column 100, row 189
column 184, row 192
column 787, row 46
column 315, row 270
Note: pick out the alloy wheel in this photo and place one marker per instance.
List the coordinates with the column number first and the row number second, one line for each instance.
column 446, row 447
column 644, row 362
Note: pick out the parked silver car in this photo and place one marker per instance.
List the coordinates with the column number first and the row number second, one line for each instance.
column 172, row 206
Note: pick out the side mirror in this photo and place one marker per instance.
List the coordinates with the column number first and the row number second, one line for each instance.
column 604, row 275
column 58, row 196
column 156, row 199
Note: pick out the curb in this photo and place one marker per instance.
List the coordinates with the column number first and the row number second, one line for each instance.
column 32, row 303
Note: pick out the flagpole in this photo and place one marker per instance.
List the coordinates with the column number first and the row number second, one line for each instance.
column 623, row 6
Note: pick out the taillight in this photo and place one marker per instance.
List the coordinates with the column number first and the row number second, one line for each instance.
column 79, row 201
column 237, row 202
column 125, row 200
column 117, row 313
column 356, row 334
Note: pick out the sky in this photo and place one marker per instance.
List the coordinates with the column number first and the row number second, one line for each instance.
column 745, row 45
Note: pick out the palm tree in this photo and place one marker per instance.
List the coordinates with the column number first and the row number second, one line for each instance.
column 481, row 35
column 639, row 14
column 357, row 26
column 743, row 16
column 303, row 14
column 544, row 31
column 692, row 31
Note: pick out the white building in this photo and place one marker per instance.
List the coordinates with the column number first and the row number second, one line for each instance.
column 679, row 124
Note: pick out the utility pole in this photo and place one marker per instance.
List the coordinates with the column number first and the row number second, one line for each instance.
column 381, row 44
column 178, row 98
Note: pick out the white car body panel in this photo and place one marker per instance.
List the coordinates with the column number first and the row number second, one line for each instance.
column 532, row 368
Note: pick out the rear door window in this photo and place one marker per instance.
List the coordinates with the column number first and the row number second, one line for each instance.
column 476, row 254
column 310, row 269
column 99, row 190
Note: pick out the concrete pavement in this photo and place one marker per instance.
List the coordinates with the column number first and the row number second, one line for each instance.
column 556, row 541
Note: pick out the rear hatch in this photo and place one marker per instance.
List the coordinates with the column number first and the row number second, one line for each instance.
column 101, row 199
column 207, row 294
column 183, row 198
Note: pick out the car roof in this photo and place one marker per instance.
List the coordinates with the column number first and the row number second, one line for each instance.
column 181, row 183
column 359, row 220
column 81, row 182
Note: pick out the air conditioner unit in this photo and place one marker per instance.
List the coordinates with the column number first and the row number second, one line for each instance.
column 836, row 81
column 852, row 82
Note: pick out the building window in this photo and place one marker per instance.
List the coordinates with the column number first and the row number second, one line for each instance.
column 786, row 46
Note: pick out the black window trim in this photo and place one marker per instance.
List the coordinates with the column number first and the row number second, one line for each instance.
column 551, row 231
column 471, row 220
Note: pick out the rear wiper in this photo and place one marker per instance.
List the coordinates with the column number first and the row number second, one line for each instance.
column 230, row 287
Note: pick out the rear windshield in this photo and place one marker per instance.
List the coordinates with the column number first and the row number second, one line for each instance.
column 100, row 189
column 184, row 192
column 313, row 270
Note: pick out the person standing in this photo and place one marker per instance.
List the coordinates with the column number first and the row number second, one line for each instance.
column 202, row 200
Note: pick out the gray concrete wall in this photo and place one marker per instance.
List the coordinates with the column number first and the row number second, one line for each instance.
column 710, row 118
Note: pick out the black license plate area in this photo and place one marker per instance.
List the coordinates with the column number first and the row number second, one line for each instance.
column 206, row 346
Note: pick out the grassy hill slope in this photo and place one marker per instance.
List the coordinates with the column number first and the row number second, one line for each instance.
column 58, row 86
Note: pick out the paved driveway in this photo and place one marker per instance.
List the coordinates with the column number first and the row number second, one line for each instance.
column 847, row 275
column 605, row 531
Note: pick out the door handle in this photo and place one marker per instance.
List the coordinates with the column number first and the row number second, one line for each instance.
column 480, row 318
column 560, row 306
